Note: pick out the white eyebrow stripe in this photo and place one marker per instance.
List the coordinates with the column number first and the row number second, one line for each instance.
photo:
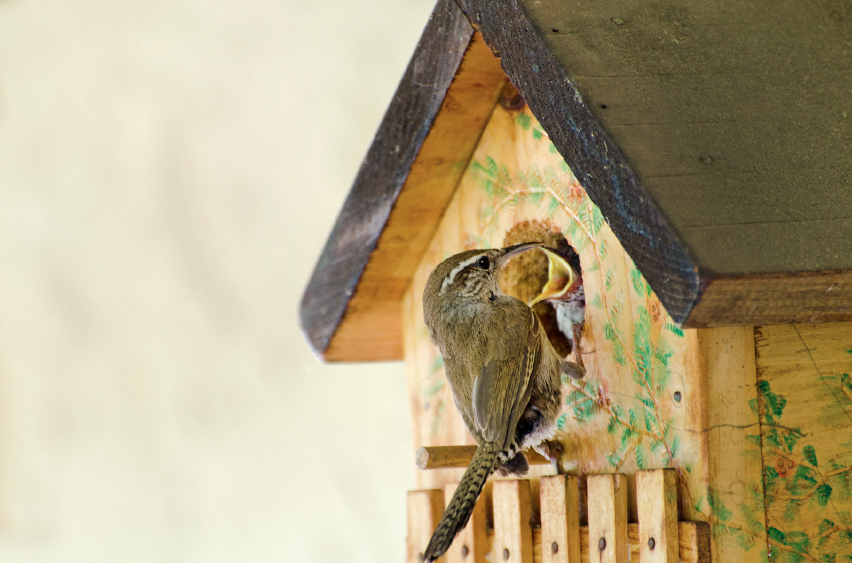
column 448, row 281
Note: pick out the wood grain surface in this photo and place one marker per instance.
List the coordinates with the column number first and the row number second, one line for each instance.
column 656, row 492
column 513, row 541
column 560, row 519
column 805, row 405
column 444, row 457
column 424, row 510
column 471, row 545
column 608, row 518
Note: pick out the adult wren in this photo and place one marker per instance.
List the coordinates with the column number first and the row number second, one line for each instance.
column 503, row 371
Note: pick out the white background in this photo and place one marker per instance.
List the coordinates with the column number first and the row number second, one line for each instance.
column 169, row 172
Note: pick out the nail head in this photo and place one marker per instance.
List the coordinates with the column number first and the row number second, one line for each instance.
column 677, row 396
column 651, row 544
column 505, row 554
column 602, row 544
column 464, row 551
column 554, row 547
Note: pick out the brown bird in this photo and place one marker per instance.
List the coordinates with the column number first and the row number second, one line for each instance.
column 503, row 371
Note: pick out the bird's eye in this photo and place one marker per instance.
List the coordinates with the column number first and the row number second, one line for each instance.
column 483, row 262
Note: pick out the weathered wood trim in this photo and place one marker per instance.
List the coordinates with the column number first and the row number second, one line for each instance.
column 806, row 297
column 595, row 160
column 403, row 131
column 371, row 328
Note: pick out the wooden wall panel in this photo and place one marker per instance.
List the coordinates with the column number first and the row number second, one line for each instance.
column 805, row 405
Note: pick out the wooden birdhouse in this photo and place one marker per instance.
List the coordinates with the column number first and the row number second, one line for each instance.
column 697, row 156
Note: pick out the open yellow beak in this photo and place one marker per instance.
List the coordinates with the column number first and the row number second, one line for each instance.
column 561, row 279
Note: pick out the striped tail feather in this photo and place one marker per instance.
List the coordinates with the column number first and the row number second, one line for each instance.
column 461, row 506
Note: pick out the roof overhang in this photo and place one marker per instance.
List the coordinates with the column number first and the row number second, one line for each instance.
column 716, row 139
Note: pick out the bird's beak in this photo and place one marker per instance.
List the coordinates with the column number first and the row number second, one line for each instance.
column 511, row 251
column 561, row 279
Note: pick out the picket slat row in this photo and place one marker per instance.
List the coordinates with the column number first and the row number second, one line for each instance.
column 657, row 538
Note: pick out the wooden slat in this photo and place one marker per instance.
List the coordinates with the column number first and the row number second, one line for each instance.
column 734, row 487
column 471, row 545
column 443, row 457
column 656, row 493
column 560, row 519
column 425, row 508
column 694, row 543
column 607, row 518
column 512, row 531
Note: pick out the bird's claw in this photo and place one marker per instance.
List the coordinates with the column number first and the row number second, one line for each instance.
column 552, row 450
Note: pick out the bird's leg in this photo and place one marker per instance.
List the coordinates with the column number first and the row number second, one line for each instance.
column 552, row 450
column 517, row 465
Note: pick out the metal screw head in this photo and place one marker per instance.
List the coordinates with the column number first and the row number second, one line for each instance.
column 554, row 547
column 602, row 544
column 464, row 551
column 677, row 396
column 505, row 554
column 651, row 544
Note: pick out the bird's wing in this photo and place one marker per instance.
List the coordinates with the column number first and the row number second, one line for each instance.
column 502, row 389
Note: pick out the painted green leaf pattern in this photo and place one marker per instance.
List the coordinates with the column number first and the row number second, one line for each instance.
column 823, row 493
column 804, row 488
column 674, row 328
column 717, row 506
column 638, row 282
column 810, row 455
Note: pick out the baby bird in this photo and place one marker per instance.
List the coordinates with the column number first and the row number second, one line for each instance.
column 503, row 371
column 564, row 289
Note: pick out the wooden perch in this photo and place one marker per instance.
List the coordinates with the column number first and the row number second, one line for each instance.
column 444, row 457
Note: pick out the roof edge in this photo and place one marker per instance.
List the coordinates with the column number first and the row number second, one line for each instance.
column 400, row 136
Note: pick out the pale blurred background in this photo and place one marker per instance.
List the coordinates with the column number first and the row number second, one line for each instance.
column 169, row 172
